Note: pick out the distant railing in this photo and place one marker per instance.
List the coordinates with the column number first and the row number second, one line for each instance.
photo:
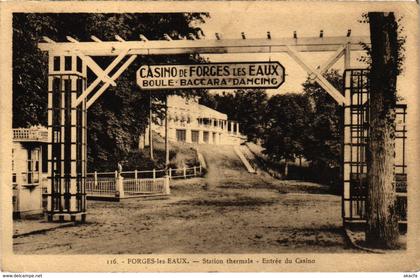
column 118, row 185
column 101, row 187
column 142, row 186
column 173, row 173
column 30, row 134
column 185, row 172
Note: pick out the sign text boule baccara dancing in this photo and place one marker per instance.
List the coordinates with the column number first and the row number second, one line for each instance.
column 268, row 75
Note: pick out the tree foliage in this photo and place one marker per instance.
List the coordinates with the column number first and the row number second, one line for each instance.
column 244, row 106
column 291, row 125
column 120, row 115
column 323, row 144
column 287, row 121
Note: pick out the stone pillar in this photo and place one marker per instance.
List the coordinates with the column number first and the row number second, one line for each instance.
column 119, row 184
column 231, row 127
column 200, row 137
column 237, row 128
column 188, row 135
column 167, row 189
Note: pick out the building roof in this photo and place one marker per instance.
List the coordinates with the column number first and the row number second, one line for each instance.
column 181, row 107
column 207, row 112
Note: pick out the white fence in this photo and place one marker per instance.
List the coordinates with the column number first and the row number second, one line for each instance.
column 143, row 186
column 114, row 184
column 101, row 186
column 176, row 173
column 185, row 172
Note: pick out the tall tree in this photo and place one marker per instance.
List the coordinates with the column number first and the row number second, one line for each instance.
column 382, row 221
column 247, row 107
column 323, row 144
column 286, row 122
column 120, row 115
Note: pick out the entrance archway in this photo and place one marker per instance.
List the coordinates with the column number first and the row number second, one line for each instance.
column 70, row 95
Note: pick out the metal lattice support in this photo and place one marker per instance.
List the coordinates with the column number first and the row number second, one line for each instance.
column 67, row 139
column 356, row 132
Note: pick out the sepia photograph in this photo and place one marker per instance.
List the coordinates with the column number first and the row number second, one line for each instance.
column 228, row 137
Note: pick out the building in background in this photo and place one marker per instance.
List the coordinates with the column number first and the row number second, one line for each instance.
column 191, row 122
column 29, row 170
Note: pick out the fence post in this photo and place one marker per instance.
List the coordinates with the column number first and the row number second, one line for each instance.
column 119, row 184
column 185, row 172
column 95, row 179
column 166, row 189
column 154, row 174
column 135, row 175
column 200, row 168
column 170, row 173
column 195, row 171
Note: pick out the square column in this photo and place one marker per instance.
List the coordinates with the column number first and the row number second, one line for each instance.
column 67, row 139
column 188, row 135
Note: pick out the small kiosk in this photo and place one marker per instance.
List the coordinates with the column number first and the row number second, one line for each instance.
column 27, row 170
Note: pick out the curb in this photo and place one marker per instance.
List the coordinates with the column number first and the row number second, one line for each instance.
column 44, row 230
column 357, row 246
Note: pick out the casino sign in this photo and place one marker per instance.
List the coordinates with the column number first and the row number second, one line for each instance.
column 264, row 75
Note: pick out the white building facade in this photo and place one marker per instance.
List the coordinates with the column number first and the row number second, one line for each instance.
column 28, row 173
column 191, row 122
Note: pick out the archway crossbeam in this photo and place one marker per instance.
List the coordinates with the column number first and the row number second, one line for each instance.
column 316, row 75
column 121, row 48
column 205, row 46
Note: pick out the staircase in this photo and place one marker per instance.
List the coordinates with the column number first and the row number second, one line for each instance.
column 239, row 153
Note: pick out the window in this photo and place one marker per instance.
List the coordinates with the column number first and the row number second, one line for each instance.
column 194, row 136
column 32, row 167
column 13, row 160
column 67, row 63
column 206, row 136
column 56, row 63
column 181, row 135
column 44, row 158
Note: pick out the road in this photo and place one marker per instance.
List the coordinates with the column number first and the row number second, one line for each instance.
column 227, row 211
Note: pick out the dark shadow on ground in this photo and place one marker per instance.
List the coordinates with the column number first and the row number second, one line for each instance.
column 320, row 237
column 228, row 202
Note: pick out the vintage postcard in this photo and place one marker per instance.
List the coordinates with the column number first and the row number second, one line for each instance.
column 203, row 136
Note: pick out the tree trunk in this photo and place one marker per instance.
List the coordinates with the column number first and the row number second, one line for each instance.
column 166, row 134
column 382, row 222
column 150, row 127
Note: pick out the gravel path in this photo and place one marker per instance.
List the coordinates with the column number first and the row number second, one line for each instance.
column 228, row 211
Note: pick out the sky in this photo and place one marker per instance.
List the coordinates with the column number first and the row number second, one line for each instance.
column 281, row 25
